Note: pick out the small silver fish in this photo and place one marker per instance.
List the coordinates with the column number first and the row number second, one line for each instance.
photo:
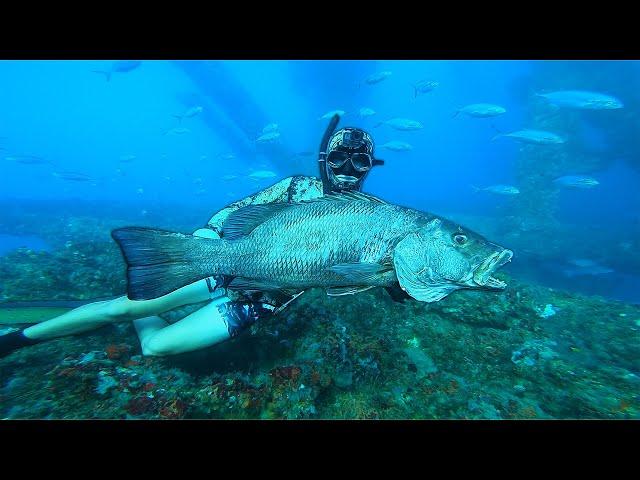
column 177, row 131
column 403, row 124
column 268, row 137
column 127, row 158
column 481, row 110
column 73, row 176
column 377, row 77
column 28, row 159
column 424, row 86
column 330, row 114
column 535, row 137
column 272, row 127
column 499, row 189
column 190, row 112
column 582, row 100
column 365, row 112
column 576, row 181
column 120, row 66
column 262, row 174
column 397, row 146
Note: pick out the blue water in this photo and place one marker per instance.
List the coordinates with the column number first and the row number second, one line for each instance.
column 81, row 155
column 9, row 243
column 78, row 122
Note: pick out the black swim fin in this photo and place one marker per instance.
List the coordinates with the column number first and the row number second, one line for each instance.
column 13, row 341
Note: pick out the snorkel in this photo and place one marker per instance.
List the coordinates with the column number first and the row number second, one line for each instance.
column 322, row 157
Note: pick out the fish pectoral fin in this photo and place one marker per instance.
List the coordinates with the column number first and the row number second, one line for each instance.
column 360, row 273
column 427, row 293
column 338, row 291
column 244, row 220
column 407, row 269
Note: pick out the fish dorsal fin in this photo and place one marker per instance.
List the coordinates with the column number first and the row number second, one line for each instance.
column 244, row 220
column 346, row 197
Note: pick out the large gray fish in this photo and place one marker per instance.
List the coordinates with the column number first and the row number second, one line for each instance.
column 346, row 243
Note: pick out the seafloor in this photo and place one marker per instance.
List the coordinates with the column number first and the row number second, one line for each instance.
column 528, row 352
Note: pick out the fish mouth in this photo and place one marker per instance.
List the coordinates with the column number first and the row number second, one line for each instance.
column 482, row 274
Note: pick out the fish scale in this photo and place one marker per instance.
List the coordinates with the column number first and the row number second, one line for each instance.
column 260, row 255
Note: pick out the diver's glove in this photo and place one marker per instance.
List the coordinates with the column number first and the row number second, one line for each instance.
column 241, row 315
column 13, row 341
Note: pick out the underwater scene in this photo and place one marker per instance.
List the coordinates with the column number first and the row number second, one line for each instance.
column 319, row 239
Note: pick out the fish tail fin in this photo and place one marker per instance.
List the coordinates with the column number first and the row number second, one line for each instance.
column 456, row 113
column 159, row 262
column 498, row 134
column 179, row 117
column 106, row 73
column 415, row 90
column 475, row 189
column 378, row 124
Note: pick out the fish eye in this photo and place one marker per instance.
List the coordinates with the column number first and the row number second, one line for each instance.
column 460, row 239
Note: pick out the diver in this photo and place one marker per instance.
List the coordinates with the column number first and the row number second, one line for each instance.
column 345, row 159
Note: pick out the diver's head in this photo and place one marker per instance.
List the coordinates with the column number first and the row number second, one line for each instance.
column 349, row 158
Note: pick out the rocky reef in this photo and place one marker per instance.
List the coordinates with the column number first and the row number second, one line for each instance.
column 527, row 352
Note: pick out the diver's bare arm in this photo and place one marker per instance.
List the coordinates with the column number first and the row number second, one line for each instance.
column 278, row 192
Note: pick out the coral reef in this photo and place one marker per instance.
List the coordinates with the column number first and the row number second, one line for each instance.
column 475, row 355
column 472, row 355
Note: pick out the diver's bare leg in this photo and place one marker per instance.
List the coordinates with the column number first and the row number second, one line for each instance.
column 202, row 328
column 121, row 309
